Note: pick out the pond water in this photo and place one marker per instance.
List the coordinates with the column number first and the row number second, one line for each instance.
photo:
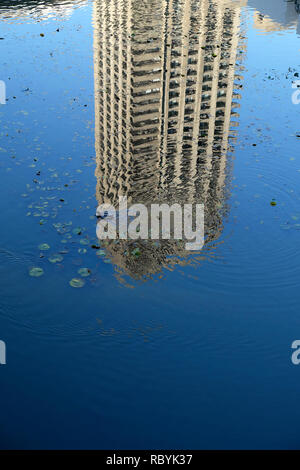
column 120, row 344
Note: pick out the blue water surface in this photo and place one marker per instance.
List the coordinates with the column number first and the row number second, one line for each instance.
column 194, row 356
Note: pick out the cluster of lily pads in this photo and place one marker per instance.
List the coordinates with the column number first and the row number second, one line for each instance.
column 56, row 258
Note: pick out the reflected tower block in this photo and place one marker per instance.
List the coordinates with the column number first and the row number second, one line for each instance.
column 167, row 89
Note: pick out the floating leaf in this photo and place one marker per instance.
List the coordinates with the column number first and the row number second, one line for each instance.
column 136, row 252
column 57, row 258
column 84, row 272
column 77, row 283
column 36, row 272
column 100, row 253
column 44, row 247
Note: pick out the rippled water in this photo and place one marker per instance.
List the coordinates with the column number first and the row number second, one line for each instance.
column 189, row 101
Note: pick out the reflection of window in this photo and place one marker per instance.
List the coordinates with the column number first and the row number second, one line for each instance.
column 173, row 104
column 173, row 113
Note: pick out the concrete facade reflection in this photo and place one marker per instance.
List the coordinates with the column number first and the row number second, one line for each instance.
column 167, row 90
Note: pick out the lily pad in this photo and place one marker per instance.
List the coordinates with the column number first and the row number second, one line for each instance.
column 84, row 272
column 77, row 283
column 44, row 247
column 136, row 252
column 100, row 253
column 36, row 272
column 57, row 258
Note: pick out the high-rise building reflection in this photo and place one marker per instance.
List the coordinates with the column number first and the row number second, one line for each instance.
column 275, row 15
column 167, row 89
column 41, row 9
